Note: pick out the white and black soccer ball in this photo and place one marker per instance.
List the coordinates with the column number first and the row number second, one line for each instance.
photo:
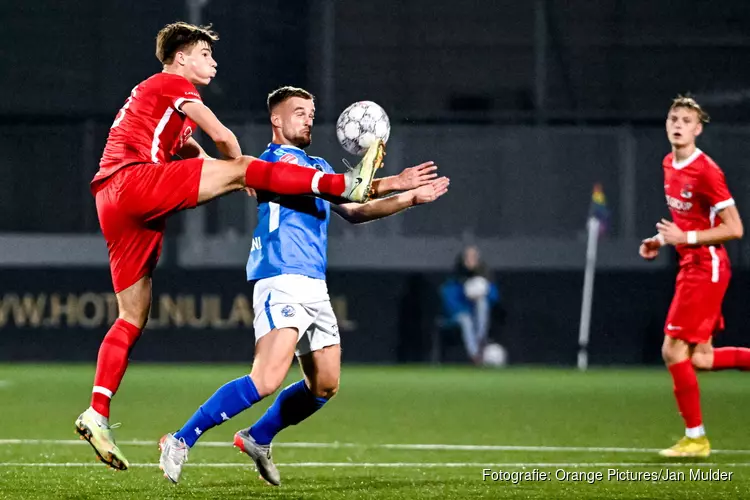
column 360, row 125
column 494, row 355
column 477, row 287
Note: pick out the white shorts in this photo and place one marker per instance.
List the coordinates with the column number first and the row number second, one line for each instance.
column 296, row 301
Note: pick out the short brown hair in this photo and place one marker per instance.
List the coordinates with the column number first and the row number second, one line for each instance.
column 283, row 93
column 689, row 102
column 173, row 37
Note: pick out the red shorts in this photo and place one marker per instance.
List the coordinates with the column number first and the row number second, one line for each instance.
column 695, row 313
column 133, row 205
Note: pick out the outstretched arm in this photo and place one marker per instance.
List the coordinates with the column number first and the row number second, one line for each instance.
column 377, row 209
column 409, row 178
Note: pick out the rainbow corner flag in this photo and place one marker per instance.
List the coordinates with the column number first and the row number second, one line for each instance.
column 598, row 207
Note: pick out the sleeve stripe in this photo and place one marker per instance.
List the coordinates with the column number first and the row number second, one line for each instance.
column 182, row 100
column 316, row 181
column 724, row 204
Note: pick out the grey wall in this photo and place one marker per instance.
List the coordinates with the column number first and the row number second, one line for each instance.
column 82, row 58
column 524, row 104
column 507, row 181
column 421, row 59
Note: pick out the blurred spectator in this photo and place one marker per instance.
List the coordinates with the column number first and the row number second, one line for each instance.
column 468, row 295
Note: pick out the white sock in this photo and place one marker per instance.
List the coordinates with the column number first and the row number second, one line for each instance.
column 695, row 432
column 316, row 181
column 98, row 416
column 347, row 183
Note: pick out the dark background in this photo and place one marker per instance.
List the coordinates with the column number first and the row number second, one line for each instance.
column 524, row 104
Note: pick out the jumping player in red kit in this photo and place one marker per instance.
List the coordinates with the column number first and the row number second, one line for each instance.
column 704, row 217
column 139, row 185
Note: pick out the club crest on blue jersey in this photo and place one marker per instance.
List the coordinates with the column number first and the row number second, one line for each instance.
column 289, row 158
column 288, row 311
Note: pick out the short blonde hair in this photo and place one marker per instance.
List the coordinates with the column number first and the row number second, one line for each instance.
column 688, row 102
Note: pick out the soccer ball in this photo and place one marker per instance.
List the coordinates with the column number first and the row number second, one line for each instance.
column 476, row 288
column 360, row 125
column 494, row 355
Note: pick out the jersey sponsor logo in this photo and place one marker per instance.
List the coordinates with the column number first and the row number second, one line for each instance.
column 257, row 245
column 687, row 191
column 289, row 158
column 679, row 205
column 288, row 311
column 673, row 328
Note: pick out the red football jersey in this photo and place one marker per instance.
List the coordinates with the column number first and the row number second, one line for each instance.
column 149, row 128
column 696, row 191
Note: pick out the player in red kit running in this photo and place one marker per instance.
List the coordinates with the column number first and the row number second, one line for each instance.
column 704, row 217
column 138, row 186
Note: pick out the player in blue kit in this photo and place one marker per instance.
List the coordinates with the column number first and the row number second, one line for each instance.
column 293, row 312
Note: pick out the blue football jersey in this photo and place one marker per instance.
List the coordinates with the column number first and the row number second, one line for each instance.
column 292, row 232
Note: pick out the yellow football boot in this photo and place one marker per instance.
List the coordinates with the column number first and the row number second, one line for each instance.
column 689, row 447
column 99, row 435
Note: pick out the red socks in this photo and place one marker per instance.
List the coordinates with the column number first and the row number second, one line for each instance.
column 686, row 389
column 286, row 178
column 726, row 358
column 687, row 393
column 112, row 363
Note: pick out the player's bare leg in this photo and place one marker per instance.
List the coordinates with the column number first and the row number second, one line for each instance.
column 273, row 353
column 219, row 177
column 707, row 358
column 93, row 424
column 702, row 356
column 322, row 369
column 677, row 356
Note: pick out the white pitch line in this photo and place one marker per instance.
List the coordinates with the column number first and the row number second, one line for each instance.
column 418, row 447
column 417, row 465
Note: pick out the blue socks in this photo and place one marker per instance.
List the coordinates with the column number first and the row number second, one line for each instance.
column 292, row 406
column 231, row 398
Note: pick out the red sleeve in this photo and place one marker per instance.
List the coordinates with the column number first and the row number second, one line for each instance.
column 716, row 189
column 180, row 91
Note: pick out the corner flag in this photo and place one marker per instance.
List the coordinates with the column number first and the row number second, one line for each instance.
column 598, row 221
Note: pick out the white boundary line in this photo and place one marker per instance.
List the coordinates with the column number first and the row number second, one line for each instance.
column 421, row 447
column 416, row 465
